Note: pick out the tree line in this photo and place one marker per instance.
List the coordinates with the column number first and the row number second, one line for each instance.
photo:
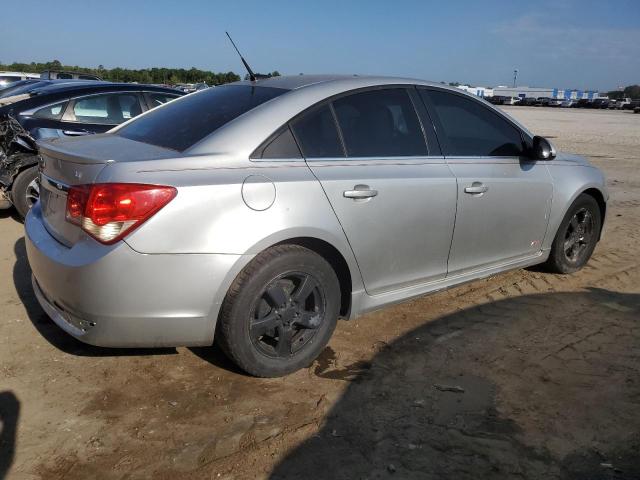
column 170, row 76
column 632, row 91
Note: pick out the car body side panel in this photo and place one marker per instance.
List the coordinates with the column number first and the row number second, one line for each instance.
column 402, row 235
column 232, row 211
column 569, row 181
column 506, row 222
column 363, row 303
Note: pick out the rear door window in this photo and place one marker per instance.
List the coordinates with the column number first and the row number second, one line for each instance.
column 380, row 123
column 317, row 134
column 281, row 146
column 106, row 109
column 468, row 128
column 51, row 112
column 155, row 99
column 183, row 123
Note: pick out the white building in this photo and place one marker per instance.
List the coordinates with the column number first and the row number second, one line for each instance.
column 479, row 91
column 535, row 92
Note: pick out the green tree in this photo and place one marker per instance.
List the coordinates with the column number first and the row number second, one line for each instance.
column 147, row 75
column 632, row 91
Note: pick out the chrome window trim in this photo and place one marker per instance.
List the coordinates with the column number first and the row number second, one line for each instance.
column 370, row 161
column 508, row 159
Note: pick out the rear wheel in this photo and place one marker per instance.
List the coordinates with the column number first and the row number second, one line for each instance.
column 25, row 190
column 577, row 236
column 280, row 312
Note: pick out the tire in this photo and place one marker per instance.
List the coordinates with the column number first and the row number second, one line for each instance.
column 576, row 237
column 280, row 312
column 25, row 190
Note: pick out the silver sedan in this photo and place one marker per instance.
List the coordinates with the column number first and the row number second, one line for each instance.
column 260, row 212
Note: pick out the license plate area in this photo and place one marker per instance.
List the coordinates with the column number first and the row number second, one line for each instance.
column 53, row 202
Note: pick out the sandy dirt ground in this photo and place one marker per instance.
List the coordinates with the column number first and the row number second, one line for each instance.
column 524, row 375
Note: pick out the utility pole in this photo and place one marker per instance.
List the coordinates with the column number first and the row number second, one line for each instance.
column 515, row 77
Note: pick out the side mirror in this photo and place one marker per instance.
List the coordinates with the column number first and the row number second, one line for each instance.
column 542, row 149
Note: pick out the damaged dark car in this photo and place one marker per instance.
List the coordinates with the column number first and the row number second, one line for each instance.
column 54, row 109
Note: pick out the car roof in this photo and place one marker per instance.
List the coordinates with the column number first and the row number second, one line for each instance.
column 304, row 91
column 60, row 86
column 295, row 82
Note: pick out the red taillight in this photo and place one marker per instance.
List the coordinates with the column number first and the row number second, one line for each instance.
column 109, row 211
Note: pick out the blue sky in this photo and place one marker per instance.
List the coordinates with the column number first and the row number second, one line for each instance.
column 562, row 43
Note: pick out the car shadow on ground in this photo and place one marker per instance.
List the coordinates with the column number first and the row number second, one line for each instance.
column 10, row 213
column 9, row 415
column 216, row 357
column 537, row 386
column 49, row 330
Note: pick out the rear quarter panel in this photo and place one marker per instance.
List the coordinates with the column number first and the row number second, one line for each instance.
column 211, row 214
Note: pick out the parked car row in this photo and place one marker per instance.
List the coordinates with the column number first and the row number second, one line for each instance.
column 191, row 87
column 32, row 110
column 7, row 78
column 502, row 100
column 597, row 103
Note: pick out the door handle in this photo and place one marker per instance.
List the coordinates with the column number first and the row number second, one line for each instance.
column 360, row 192
column 476, row 188
column 76, row 133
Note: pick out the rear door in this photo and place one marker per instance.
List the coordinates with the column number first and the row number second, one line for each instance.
column 394, row 198
column 504, row 197
column 99, row 113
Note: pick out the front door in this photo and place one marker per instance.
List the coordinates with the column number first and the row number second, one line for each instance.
column 504, row 197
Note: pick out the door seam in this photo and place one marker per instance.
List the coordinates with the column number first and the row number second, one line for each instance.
column 455, row 217
column 341, row 226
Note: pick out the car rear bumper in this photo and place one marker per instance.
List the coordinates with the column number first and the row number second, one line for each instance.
column 113, row 296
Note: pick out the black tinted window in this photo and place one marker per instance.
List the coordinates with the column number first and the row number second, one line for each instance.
column 181, row 124
column 317, row 134
column 471, row 129
column 51, row 112
column 282, row 146
column 380, row 123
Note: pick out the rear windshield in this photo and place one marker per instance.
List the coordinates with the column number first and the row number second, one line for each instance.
column 184, row 122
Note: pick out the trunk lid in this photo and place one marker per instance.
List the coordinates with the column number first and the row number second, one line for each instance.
column 79, row 161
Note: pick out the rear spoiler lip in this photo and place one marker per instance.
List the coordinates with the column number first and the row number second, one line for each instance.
column 101, row 148
column 48, row 148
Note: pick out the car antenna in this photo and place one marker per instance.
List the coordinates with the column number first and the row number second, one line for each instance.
column 252, row 76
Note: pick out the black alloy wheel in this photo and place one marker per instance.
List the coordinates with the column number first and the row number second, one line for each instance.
column 287, row 315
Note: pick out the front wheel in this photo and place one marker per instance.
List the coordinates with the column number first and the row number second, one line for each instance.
column 577, row 236
column 280, row 311
column 25, row 190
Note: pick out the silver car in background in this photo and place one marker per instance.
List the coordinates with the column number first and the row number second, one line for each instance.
column 260, row 212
